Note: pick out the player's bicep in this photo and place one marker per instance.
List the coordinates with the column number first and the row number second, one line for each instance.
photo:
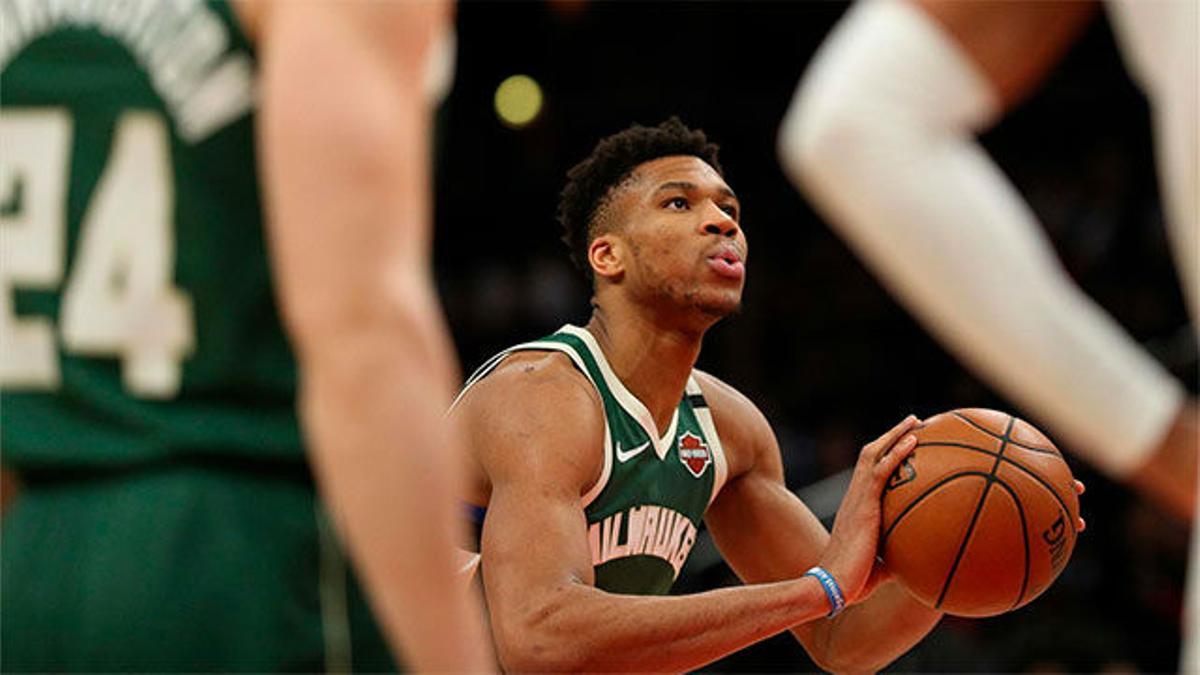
column 534, row 541
column 534, row 544
column 534, row 553
column 763, row 530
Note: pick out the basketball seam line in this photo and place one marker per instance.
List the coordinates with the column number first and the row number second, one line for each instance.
column 1011, row 462
column 962, row 547
column 1024, row 540
column 919, row 498
column 998, row 437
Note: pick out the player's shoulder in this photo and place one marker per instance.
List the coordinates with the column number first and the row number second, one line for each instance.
column 538, row 376
column 724, row 398
column 534, row 412
column 738, row 419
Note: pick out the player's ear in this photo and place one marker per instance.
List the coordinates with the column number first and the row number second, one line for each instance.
column 606, row 255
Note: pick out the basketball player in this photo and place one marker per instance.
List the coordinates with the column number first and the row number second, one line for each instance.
column 168, row 521
column 597, row 454
column 881, row 136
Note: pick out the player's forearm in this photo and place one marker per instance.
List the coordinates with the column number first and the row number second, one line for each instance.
column 883, row 144
column 1170, row 475
column 387, row 468
column 346, row 161
column 872, row 634
column 585, row 629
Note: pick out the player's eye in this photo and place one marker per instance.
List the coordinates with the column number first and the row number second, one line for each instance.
column 731, row 210
column 678, row 203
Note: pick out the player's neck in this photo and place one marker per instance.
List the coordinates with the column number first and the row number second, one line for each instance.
column 652, row 360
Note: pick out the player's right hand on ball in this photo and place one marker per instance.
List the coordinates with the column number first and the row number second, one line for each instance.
column 850, row 555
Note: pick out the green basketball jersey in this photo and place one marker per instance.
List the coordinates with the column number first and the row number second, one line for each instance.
column 137, row 318
column 644, row 511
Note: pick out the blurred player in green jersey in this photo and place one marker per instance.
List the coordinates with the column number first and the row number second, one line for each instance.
column 152, row 322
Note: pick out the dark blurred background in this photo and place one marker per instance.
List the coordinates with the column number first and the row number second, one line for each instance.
column 825, row 352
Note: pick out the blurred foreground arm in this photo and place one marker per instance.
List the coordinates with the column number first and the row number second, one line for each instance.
column 345, row 129
column 881, row 137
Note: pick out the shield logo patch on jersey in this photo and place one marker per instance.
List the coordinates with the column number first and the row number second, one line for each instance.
column 694, row 453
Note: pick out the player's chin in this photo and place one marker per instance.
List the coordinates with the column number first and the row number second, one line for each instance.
column 720, row 304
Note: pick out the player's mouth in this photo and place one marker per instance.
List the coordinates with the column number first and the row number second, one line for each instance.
column 727, row 262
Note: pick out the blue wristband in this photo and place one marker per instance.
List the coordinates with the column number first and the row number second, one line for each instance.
column 837, row 601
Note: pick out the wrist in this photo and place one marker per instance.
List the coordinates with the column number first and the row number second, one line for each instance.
column 833, row 591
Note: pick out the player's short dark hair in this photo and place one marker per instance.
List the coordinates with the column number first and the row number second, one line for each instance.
column 592, row 182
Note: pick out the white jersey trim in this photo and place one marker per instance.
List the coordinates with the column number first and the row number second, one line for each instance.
column 632, row 405
column 704, row 417
column 636, row 409
column 605, row 473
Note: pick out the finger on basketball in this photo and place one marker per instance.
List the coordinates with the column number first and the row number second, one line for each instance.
column 889, row 438
column 895, row 454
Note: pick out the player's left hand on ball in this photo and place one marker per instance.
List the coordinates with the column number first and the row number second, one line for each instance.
column 850, row 555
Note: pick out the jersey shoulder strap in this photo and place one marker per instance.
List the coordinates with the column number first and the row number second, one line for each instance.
column 566, row 341
column 694, row 398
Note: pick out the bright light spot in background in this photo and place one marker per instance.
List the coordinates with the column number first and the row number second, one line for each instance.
column 518, row 100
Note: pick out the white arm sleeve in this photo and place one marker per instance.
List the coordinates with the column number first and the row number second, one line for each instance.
column 1162, row 52
column 881, row 137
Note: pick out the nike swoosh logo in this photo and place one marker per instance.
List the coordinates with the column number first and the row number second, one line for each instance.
column 629, row 454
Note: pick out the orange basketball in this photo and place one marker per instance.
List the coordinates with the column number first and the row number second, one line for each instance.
column 980, row 519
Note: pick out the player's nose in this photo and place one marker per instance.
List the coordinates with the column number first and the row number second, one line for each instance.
column 717, row 221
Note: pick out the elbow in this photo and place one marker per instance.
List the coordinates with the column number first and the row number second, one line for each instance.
column 850, row 659
column 537, row 638
column 847, row 666
column 823, row 664
column 831, row 655
column 815, row 638
column 531, row 657
column 803, row 137
column 844, row 663
column 820, row 136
